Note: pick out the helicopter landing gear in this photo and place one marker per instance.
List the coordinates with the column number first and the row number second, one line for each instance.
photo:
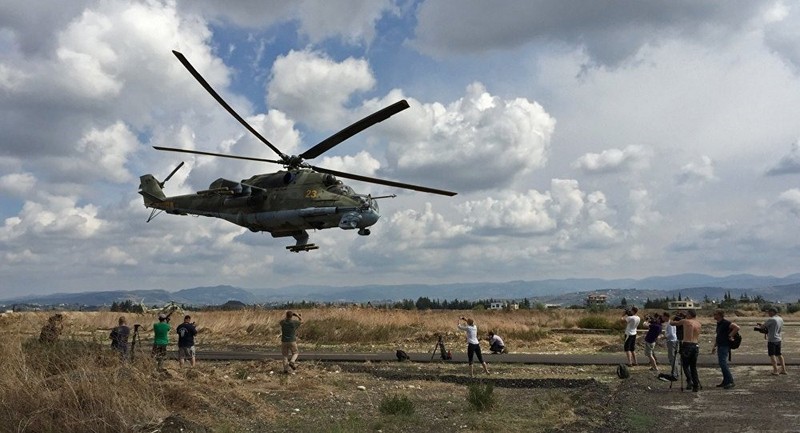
column 364, row 232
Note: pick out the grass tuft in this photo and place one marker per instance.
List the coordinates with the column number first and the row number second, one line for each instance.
column 481, row 396
column 396, row 405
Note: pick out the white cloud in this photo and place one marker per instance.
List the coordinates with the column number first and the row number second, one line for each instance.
column 613, row 160
column 517, row 214
column 17, row 184
column 362, row 163
column 478, row 142
column 315, row 89
column 58, row 217
column 790, row 201
column 695, row 173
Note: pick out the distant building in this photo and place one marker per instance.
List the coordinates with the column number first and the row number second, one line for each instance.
column 686, row 304
column 595, row 299
column 504, row 306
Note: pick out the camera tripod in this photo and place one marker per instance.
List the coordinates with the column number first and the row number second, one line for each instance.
column 440, row 346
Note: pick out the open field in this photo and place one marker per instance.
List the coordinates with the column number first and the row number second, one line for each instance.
column 78, row 385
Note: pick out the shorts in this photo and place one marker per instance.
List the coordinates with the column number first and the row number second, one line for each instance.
column 648, row 348
column 630, row 343
column 774, row 349
column 286, row 348
column 186, row 352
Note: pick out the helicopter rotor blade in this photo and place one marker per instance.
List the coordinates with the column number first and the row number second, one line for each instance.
column 355, row 128
column 221, row 155
column 224, row 104
column 171, row 174
column 383, row 181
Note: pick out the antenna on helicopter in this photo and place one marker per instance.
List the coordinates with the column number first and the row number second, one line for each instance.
column 161, row 184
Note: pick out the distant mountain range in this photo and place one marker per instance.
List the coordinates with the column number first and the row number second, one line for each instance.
column 564, row 291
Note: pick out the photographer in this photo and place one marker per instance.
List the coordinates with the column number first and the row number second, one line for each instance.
column 631, row 321
column 119, row 337
column 772, row 328
column 690, row 347
column 496, row 344
column 473, row 345
column 653, row 331
column 289, row 341
column 186, row 332
column 671, row 339
column 722, row 346
column 161, row 339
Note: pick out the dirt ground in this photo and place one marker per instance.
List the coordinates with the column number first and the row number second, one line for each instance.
column 760, row 402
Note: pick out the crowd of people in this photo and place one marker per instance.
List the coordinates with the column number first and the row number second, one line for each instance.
column 681, row 336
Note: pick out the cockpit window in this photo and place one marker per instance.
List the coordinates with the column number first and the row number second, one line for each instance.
column 340, row 188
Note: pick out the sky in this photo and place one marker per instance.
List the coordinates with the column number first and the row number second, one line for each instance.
column 608, row 139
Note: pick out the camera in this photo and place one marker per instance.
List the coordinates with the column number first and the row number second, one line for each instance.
column 628, row 312
column 760, row 328
column 680, row 315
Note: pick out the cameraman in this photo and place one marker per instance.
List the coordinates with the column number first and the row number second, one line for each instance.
column 631, row 321
column 722, row 346
column 690, row 348
column 653, row 331
column 289, row 340
column 772, row 327
column 671, row 337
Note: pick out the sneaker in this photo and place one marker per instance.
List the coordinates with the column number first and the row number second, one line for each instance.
column 721, row 385
column 695, row 389
column 293, row 365
column 729, row 386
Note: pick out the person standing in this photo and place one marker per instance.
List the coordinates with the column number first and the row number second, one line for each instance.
column 186, row 332
column 119, row 337
column 160, row 340
column 689, row 347
column 773, row 327
column 722, row 346
column 671, row 339
column 631, row 321
column 289, row 341
column 653, row 331
column 473, row 345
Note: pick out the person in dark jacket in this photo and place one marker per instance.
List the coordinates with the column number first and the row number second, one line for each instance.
column 722, row 346
column 186, row 332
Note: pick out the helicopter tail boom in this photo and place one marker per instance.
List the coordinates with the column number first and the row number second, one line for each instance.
column 150, row 189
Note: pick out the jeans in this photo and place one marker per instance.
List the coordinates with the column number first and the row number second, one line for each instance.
column 722, row 356
column 689, row 353
column 672, row 349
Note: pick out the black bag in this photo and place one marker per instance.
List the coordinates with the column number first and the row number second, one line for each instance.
column 623, row 372
column 736, row 342
column 402, row 356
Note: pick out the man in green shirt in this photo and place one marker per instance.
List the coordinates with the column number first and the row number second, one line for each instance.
column 160, row 339
column 289, row 340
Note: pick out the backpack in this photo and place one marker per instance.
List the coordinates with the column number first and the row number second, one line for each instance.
column 736, row 342
column 402, row 356
column 623, row 372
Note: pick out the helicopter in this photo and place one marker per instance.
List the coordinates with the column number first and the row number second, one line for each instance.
column 285, row 203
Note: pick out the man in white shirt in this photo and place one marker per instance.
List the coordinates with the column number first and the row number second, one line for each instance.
column 671, row 338
column 496, row 344
column 631, row 324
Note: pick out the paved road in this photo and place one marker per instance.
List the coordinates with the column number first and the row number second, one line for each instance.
column 705, row 360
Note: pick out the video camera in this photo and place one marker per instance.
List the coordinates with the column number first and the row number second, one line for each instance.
column 761, row 328
column 680, row 315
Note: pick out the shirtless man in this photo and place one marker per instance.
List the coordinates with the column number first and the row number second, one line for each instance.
column 690, row 348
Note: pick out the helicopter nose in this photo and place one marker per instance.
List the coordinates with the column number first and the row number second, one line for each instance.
column 355, row 220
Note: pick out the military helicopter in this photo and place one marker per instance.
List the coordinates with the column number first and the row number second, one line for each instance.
column 285, row 203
